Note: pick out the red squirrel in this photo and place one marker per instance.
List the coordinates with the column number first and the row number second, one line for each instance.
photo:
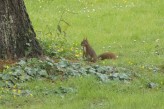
column 90, row 54
column 88, row 51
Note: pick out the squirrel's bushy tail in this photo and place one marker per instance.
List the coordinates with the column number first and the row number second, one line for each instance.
column 107, row 55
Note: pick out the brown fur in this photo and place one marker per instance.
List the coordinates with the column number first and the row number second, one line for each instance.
column 107, row 55
column 90, row 54
column 88, row 51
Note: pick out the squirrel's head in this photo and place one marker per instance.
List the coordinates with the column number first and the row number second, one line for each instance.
column 84, row 42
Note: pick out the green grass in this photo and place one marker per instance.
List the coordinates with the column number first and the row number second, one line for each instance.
column 130, row 28
column 133, row 29
column 90, row 94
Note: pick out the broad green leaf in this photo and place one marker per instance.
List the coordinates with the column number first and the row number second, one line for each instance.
column 2, row 84
column 102, row 77
column 43, row 73
column 21, row 62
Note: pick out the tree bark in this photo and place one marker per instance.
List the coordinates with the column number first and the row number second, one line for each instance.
column 17, row 36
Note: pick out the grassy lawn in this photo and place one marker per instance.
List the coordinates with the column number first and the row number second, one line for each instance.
column 133, row 29
column 89, row 94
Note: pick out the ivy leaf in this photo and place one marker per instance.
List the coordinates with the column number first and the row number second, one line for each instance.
column 31, row 71
column 123, row 76
column 101, row 69
column 76, row 65
column 63, row 63
column 110, row 69
column 152, row 85
column 50, row 63
column 83, row 71
column 6, row 77
column 102, row 77
column 53, row 77
column 96, row 66
column 17, row 72
column 43, row 73
column 92, row 71
column 114, row 76
column 2, row 84
column 72, row 72
column 25, row 78
column 9, row 84
column 21, row 62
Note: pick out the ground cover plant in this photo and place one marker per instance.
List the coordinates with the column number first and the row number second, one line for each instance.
column 133, row 29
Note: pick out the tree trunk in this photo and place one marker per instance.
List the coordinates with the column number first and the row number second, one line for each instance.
column 17, row 36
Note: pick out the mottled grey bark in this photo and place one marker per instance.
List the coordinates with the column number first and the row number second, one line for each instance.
column 17, row 36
